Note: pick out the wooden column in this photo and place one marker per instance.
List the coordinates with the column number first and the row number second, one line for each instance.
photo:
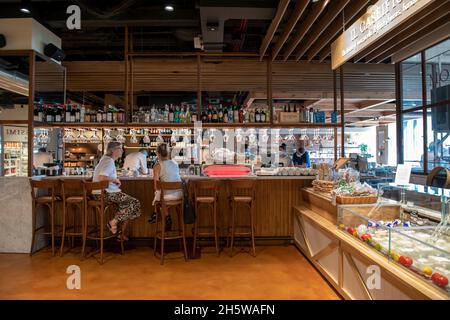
column 335, row 110
column 342, row 111
column 199, row 87
column 126, row 91
column 269, row 88
column 31, row 73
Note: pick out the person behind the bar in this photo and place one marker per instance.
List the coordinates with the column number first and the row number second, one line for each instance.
column 42, row 157
column 166, row 170
column 285, row 159
column 129, row 208
column 137, row 161
column 301, row 157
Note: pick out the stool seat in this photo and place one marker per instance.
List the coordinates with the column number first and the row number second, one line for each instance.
column 205, row 199
column 170, row 203
column 74, row 199
column 46, row 199
column 241, row 198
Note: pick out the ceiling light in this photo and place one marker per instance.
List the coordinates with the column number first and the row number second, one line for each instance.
column 25, row 6
column 169, row 7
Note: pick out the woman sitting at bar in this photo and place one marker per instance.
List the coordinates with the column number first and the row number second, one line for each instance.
column 166, row 170
column 129, row 207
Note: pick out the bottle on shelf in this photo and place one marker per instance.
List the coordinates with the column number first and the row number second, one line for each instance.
column 236, row 118
column 82, row 113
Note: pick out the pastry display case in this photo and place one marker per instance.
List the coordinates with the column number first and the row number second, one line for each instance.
column 409, row 235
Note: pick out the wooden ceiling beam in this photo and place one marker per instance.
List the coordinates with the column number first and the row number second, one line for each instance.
column 407, row 40
column 350, row 13
column 282, row 6
column 296, row 15
column 410, row 34
column 305, row 26
column 333, row 11
column 417, row 19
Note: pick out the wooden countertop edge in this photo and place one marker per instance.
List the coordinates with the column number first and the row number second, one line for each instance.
column 398, row 272
column 322, row 195
column 186, row 178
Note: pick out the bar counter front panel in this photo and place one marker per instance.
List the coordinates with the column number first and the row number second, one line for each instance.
column 274, row 199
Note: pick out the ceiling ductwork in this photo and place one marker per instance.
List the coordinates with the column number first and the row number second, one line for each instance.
column 213, row 21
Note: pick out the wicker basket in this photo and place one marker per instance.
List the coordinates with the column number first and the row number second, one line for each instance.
column 356, row 199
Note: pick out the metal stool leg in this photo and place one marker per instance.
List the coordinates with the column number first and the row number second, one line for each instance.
column 33, row 222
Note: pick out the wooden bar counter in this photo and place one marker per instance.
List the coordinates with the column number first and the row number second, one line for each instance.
column 275, row 198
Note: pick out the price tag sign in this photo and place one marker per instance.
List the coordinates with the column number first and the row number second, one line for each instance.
column 403, row 174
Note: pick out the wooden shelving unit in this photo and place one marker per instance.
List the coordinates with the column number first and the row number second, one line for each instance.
column 184, row 125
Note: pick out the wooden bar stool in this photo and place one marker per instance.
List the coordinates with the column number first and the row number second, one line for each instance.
column 242, row 195
column 206, row 195
column 99, row 207
column 72, row 197
column 162, row 210
column 50, row 201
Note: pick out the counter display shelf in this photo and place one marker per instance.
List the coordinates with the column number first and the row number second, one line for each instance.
column 405, row 244
column 422, row 250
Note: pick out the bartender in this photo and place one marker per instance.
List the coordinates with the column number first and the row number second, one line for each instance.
column 137, row 161
column 284, row 160
column 301, row 158
column 42, row 157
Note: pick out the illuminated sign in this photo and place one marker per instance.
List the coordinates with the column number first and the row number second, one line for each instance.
column 377, row 21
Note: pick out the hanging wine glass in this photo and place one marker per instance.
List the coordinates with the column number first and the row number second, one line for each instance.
column 264, row 136
column 133, row 138
column 68, row 136
column 81, row 135
column 212, row 135
column 107, row 137
column 305, row 135
column 94, row 137
column 226, row 136
column 120, row 137
column 291, row 136
column 146, row 137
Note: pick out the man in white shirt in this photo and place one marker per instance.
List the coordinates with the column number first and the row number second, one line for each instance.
column 42, row 157
column 137, row 161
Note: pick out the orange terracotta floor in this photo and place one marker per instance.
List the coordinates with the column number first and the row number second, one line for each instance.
column 278, row 272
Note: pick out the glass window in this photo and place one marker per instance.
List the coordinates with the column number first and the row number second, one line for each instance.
column 413, row 140
column 438, row 133
column 438, row 72
column 411, row 82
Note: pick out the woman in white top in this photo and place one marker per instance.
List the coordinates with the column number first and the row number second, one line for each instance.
column 129, row 207
column 166, row 170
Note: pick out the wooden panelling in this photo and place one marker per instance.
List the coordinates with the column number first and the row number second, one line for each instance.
column 274, row 202
column 232, row 74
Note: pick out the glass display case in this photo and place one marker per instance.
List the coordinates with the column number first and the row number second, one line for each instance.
column 403, row 234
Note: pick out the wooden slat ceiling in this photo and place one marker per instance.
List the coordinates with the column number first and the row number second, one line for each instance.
column 306, row 30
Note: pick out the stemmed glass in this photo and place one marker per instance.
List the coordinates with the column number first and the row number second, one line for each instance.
column 68, row 135
column 146, row 137
column 120, row 136
column 107, row 137
column 133, row 138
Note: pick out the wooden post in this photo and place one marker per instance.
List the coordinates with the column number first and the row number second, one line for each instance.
column 199, row 88
column 342, row 111
column 126, row 91
column 269, row 88
column 335, row 110
column 31, row 79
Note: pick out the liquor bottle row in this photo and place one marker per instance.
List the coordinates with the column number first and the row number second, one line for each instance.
column 153, row 131
column 308, row 115
column 76, row 113
column 166, row 114
column 234, row 114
